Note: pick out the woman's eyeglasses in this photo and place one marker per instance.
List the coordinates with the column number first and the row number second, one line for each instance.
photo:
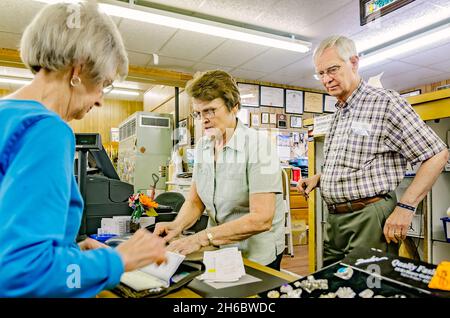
column 207, row 113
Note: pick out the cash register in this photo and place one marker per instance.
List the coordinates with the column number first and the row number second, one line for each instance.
column 103, row 193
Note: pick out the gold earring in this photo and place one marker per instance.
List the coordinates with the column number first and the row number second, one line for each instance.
column 75, row 81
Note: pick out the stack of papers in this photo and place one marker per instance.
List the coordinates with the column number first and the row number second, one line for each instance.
column 153, row 276
column 224, row 265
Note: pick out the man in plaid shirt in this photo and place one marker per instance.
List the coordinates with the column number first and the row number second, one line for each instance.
column 373, row 134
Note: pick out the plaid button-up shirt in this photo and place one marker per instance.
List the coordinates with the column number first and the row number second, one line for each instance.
column 371, row 139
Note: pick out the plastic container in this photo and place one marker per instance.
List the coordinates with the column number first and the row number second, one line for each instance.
column 446, row 222
column 102, row 237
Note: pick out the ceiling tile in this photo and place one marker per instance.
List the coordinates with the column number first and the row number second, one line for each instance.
column 138, row 59
column 190, row 45
column 16, row 15
column 144, row 37
column 234, row 53
column 442, row 66
column 247, row 74
column 430, row 56
column 207, row 67
column 389, row 69
column 272, row 60
column 169, row 63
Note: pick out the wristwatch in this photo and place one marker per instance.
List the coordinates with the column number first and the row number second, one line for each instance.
column 210, row 237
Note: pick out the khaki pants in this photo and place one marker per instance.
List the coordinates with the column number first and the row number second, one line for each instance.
column 363, row 228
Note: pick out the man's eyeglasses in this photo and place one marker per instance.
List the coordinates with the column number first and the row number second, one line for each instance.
column 207, row 113
column 331, row 71
column 107, row 87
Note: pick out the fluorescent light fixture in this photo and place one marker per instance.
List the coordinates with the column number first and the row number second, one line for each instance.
column 178, row 21
column 424, row 39
column 16, row 81
column 124, row 92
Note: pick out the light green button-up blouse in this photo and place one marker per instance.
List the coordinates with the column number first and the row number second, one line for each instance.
column 248, row 164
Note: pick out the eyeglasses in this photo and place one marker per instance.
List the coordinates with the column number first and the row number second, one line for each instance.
column 331, row 71
column 207, row 113
column 107, row 87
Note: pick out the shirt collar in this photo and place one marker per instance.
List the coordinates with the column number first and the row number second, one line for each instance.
column 355, row 95
column 236, row 142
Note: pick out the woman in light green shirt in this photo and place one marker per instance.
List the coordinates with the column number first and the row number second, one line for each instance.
column 236, row 179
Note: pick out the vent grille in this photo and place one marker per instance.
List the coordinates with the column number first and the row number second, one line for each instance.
column 155, row 122
column 127, row 130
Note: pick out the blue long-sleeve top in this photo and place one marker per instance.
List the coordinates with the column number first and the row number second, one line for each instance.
column 41, row 210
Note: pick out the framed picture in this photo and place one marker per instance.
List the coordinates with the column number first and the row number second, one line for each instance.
column 249, row 94
column 255, row 120
column 370, row 10
column 243, row 115
column 281, row 121
column 264, row 118
column 313, row 102
column 411, row 93
column 296, row 122
column 273, row 119
column 329, row 104
column 272, row 96
column 294, row 101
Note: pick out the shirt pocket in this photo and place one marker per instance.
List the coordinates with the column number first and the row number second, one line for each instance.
column 359, row 150
column 233, row 183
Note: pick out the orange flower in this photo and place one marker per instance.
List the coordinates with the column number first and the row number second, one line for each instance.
column 145, row 200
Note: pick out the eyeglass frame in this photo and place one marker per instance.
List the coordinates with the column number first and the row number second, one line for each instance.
column 107, row 88
column 211, row 113
column 329, row 71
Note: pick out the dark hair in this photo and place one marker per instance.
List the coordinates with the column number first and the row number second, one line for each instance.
column 210, row 85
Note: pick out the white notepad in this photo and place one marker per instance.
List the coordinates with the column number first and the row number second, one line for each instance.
column 153, row 276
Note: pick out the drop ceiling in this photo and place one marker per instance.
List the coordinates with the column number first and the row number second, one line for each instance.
column 312, row 20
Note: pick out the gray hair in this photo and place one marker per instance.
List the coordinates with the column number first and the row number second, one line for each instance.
column 64, row 34
column 345, row 47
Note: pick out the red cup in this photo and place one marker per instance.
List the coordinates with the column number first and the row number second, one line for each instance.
column 296, row 174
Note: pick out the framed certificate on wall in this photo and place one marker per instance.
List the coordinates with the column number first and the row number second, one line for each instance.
column 272, row 96
column 264, row 118
column 313, row 102
column 249, row 94
column 329, row 104
column 296, row 122
column 294, row 101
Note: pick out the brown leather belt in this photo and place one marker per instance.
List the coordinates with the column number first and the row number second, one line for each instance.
column 352, row 206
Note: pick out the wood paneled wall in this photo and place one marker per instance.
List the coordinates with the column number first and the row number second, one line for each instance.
column 110, row 115
column 102, row 119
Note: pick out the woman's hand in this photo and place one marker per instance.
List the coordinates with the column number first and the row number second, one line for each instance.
column 167, row 230
column 91, row 244
column 142, row 249
column 186, row 245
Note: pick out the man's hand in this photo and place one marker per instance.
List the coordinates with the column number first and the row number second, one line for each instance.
column 397, row 225
column 305, row 186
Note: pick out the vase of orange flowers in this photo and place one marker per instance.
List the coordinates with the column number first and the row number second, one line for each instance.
column 140, row 203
